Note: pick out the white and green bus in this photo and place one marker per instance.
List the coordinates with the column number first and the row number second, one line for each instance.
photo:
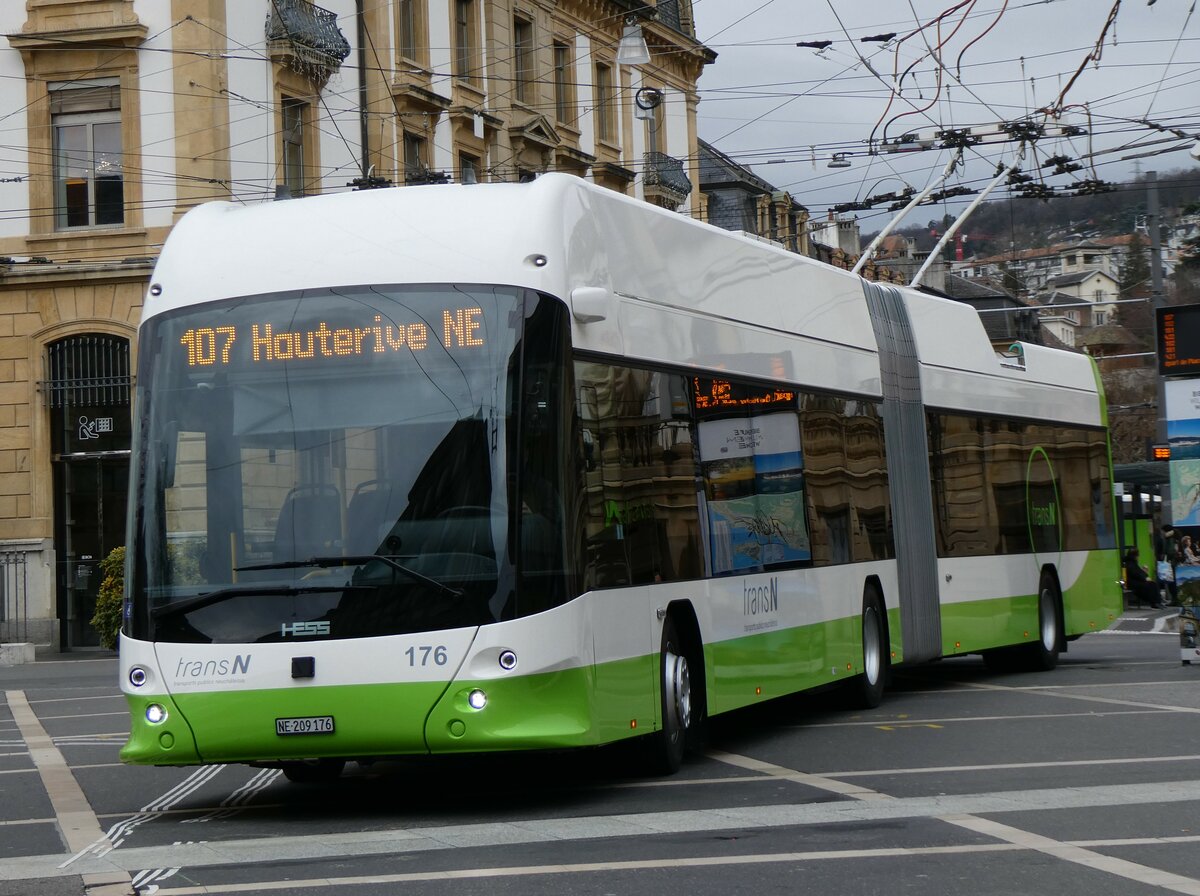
column 459, row 469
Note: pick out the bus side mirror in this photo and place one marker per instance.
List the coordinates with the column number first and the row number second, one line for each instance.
column 590, row 303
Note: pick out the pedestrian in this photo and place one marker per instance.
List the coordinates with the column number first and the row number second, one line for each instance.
column 1137, row 580
column 1166, row 556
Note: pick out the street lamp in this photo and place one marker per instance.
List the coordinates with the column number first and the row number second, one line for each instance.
column 632, row 49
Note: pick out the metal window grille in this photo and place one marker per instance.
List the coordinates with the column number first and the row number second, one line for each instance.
column 88, row 371
column 14, row 596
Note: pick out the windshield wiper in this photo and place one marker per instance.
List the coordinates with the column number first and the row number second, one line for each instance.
column 208, row 598
column 356, row 560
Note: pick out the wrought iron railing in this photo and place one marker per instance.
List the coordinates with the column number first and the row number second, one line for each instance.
column 667, row 172
column 14, row 596
column 311, row 33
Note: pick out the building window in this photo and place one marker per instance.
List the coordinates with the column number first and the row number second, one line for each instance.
column 1100, row 317
column 468, row 169
column 526, row 70
column 655, row 123
column 415, row 167
column 464, row 39
column 605, row 104
column 294, row 115
column 410, row 24
column 89, row 177
column 564, row 99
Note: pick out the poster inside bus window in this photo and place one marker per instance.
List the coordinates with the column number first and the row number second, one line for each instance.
column 754, row 481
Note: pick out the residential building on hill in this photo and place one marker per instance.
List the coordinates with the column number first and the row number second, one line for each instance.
column 121, row 115
column 1035, row 268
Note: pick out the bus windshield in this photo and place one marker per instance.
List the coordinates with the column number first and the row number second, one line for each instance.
column 325, row 464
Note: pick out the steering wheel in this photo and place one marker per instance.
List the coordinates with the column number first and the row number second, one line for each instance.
column 465, row 510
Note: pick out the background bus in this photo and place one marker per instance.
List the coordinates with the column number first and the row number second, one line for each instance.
column 505, row 467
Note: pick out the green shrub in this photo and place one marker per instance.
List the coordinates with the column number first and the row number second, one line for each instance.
column 107, row 618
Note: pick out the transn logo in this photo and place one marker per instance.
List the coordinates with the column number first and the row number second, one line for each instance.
column 304, row 629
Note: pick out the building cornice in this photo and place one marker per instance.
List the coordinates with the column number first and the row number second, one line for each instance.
column 42, row 274
column 56, row 24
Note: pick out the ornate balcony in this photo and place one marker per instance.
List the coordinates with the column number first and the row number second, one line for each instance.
column 665, row 179
column 307, row 37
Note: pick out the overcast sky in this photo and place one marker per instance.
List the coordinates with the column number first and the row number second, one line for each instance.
column 785, row 110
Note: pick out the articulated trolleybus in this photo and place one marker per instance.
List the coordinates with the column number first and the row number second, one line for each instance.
column 458, row 469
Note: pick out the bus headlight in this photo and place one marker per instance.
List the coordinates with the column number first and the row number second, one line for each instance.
column 137, row 676
column 156, row 713
column 508, row 660
column 477, row 699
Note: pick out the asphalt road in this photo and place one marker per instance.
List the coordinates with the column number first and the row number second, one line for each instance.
column 1085, row 780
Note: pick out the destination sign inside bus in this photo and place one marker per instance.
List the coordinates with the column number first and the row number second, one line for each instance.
column 713, row 394
column 265, row 342
column 1179, row 340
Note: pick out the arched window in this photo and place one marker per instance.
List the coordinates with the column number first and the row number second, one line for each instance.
column 87, row 388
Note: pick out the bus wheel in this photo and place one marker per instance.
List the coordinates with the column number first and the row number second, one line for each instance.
column 1042, row 655
column 667, row 745
column 869, row 685
column 313, row 771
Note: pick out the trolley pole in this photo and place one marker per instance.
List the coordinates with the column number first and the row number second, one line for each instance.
column 1159, row 300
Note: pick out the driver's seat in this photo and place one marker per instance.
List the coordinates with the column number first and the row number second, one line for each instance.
column 310, row 524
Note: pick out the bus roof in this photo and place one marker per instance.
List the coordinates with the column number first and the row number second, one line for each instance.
column 678, row 291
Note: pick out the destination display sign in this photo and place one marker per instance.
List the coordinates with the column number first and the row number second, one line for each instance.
column 265, row 342
column 1179, row 340
column 717, row 395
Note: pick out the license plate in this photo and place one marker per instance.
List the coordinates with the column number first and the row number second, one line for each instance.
column 305, row 725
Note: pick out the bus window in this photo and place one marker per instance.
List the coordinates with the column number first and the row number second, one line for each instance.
column 845, row 471
column 642, row 521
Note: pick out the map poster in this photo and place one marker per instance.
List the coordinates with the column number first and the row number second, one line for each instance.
column 1183, row 436
column 753, row 472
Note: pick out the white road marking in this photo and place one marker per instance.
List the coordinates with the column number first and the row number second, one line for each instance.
column 970, row 821
column 108, row 696
column 400, row 841
column 1090, row 698
column 318, row 883
column 76, row 820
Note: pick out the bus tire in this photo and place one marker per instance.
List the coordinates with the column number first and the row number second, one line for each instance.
column 870, row 683
column 668, row 744
column 1042, row 654
column 313, row 771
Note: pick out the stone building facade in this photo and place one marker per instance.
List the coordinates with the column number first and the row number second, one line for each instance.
column 121, row 115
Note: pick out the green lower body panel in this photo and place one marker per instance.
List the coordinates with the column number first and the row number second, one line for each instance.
column 1091, row 603
column 547, row 711
column 760, row 667
column 239, row 726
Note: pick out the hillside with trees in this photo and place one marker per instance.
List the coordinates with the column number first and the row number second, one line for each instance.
column 1007, row 224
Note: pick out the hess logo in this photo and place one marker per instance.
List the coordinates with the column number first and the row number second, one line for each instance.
column 304, row 629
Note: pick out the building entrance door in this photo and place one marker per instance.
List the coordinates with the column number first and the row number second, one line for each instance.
column 88, row 394
column 91, row 493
